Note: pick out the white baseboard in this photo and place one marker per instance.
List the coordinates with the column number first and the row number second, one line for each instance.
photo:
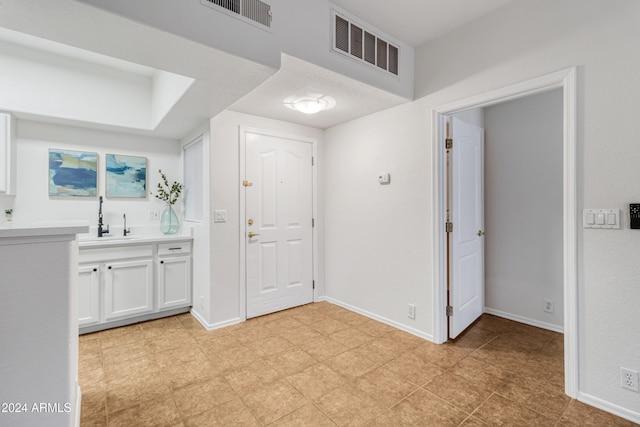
column 609, row 407
column 384, row 320
column 525, row 320
column 214, row 326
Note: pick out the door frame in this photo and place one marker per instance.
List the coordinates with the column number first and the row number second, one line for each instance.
column 242, row 229
column 566, row 80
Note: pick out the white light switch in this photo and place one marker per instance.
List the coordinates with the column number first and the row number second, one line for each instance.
column 601, row 218
column 219, row 216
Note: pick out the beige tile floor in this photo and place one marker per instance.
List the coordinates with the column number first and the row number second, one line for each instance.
column 321, row 365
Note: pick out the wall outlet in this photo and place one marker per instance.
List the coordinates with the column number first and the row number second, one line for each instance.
column 549, row 305
column 202, row 302
column 154, row 215
column 412, row 311
column 629, row 379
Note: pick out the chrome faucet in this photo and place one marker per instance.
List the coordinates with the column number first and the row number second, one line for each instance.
column 126, row 230
column 101, row 231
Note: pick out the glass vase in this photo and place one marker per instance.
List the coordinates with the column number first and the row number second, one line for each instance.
column 169, row 220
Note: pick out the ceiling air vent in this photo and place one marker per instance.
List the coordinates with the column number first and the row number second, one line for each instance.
column 253, row 11
column 356, row 42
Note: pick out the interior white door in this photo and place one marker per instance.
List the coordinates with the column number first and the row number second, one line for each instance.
column 466, row 294
column 279, row 207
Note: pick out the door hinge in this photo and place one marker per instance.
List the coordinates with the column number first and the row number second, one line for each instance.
column 448, row 143
column 313, row 284
column 313, row 161
column 313, row 222
column 449, row 227
column 247, row 183
column 449, row 311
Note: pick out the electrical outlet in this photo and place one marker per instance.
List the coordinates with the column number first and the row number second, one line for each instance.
column 629, row 379
column 412, row 311
column 549, row 305
column 154, row 215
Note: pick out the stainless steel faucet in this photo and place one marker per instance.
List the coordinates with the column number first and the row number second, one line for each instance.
column 101, row 230
column 126, row 230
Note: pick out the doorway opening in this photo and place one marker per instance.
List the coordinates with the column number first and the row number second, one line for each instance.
column 566, row 81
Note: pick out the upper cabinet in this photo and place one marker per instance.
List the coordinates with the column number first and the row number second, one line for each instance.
column 7, row 155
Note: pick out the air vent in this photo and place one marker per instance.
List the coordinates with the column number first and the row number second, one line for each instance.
column 355, row 41
column 254, row 11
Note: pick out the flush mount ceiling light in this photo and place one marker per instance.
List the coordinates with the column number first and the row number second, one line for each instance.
column 311, row 103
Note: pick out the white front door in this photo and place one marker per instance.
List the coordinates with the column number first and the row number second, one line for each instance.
column 278, row 223
column 466, row 294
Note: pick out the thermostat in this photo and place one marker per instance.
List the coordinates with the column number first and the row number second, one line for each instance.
column 384, row 178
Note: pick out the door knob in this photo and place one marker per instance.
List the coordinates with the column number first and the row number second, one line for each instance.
column 252, row 234
column 480, row 233
column 250, row 222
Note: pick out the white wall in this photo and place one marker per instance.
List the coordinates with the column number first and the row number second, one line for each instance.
column 378, row 252
column 32, row 202
column 523, row 209
column 225, row 303
column 378, row 244
column 530, row 38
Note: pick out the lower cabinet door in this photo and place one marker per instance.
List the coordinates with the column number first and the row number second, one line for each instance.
column 174, row 282
column 128, row 288
column 88, row 295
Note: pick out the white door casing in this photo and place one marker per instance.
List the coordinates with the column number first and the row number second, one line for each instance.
column 278, row 212
column 566, row 80
column 467, row 215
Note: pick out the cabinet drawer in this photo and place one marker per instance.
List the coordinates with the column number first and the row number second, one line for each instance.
column 116, row 252
column 174, row 248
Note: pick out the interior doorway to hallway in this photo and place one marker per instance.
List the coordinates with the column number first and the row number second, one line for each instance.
column 565, row 81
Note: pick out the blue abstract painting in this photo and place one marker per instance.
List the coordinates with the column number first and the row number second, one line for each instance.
column 73, row 173
column 126, row 176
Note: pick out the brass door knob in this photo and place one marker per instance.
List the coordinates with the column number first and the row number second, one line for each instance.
column 250, row 222
column 252, row 234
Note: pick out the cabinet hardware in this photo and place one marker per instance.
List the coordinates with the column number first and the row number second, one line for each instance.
column 95, row 269
column 174, row 249
column 109, row 267
column 161, row 262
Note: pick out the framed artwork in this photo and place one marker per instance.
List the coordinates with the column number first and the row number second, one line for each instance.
column 126, row 176
column 73, row 173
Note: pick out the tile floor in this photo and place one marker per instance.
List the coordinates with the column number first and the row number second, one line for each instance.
column 321, row 365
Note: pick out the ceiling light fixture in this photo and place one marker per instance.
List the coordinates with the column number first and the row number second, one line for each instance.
column 311, row 103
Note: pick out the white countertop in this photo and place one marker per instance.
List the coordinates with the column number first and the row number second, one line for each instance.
column 43, row 229
column 98, row 242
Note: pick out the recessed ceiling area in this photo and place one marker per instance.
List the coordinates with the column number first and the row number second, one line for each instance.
column 42, row 78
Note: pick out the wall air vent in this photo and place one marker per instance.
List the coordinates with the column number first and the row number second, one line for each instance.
column 253, row 11
column 356, row 42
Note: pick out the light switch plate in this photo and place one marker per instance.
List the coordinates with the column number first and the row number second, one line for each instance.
column 601, row 218
column 219, row 216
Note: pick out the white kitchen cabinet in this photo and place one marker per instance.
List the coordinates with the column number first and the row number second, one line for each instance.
column 174, row 274
column 7, row 154
column 89, row 295
column 128, row 287
column 123, row 282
